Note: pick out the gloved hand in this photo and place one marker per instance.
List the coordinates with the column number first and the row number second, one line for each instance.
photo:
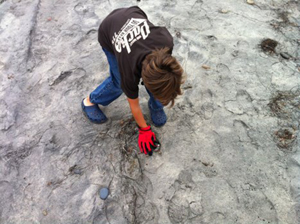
column 147, row 140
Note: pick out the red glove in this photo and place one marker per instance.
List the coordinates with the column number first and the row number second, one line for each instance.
column 147, row 140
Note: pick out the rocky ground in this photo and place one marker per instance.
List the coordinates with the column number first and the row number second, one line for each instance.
column 230, row 149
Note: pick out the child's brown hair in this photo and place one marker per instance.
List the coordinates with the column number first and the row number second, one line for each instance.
column 162, row 75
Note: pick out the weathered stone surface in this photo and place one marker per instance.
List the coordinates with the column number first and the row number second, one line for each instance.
column 230, row 148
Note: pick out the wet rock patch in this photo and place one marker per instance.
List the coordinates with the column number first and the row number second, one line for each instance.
column 285, row 138
column 268, row 46
column 286, row 104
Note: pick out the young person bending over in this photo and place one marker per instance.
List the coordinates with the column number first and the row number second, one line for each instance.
column 136, row 49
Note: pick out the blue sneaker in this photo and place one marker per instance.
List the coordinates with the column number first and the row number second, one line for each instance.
column 93, row 113
column 158, row 116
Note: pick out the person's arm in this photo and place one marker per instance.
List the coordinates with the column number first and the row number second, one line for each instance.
column 137, row 112
column 147, row 139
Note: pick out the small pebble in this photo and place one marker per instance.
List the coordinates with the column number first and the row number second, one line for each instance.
column 45, row 212
column 157, row 149
column 285, row 55
column 205, row 67
column 224, row 11
column 104, row 193
column 77, row 171
column 11, row 76
column 205, row 163
column 250, row 2
column 178, row 34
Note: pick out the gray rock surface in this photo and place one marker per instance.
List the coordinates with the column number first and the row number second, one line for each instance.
column 230, row 149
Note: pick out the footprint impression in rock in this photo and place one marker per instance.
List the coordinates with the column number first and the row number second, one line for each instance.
column 208, row 108
column 184, row 205
column 186, row 202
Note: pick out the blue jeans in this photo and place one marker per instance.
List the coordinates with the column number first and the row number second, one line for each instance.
column 110, row 89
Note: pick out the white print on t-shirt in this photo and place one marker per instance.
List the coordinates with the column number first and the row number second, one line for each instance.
column 133, row 30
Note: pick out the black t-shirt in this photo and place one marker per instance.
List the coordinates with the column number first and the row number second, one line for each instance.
column 130, row 36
